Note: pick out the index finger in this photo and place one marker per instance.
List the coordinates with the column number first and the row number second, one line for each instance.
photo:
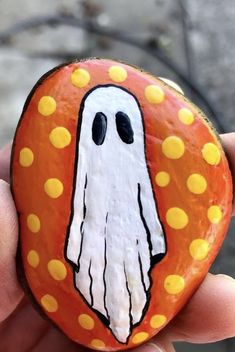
column 228, row 141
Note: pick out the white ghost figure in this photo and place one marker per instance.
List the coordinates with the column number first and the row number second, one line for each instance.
column 115, row 233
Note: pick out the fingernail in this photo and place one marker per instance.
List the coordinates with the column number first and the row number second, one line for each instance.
column 154, row 347
column 226, row 277
column 3, row 183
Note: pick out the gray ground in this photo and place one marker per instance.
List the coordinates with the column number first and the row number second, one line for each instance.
column 210, row 29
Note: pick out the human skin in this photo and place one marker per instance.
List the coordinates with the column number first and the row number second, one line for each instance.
column 209, row 316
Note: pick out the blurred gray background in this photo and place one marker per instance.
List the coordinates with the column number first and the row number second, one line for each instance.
column 198, row 37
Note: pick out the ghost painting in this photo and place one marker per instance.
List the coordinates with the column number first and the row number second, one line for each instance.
column 115, row 236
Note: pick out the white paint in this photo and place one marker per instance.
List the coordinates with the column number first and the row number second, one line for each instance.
column 113, row 171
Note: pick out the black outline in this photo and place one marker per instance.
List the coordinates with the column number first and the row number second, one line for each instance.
column 105, row 266
column 91, row 282
column 153, row 260
column 77, row 266
column 130, row 305
column 143, row 219
column 141, row 272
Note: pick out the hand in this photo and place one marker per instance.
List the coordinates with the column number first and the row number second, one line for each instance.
column 209, row 316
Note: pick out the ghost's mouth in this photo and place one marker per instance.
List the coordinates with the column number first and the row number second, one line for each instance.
column 115, row 234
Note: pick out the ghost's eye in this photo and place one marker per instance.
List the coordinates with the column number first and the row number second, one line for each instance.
column 124, row 128
column 99, row 128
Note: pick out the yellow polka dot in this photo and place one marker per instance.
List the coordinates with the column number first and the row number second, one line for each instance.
column 173, row 147
column 157, row 321
column 186, row 116
column 211, row 154
column 57, row 269
column 214, row 214
column 174, row 284
column 176, row 218
column 33, row 223
column 196, row 183
column 162, row 179
column 199, row 249
column 140, row 337
column 117, row 73
column 53, row 187
column 172, row 84
column 33, row 258
column 97, row 343
column 26, row 157
column 47, row 106
column 80, row 78
column 60, row 137
column 86, row 321
column 49, row 303
column 154, row 94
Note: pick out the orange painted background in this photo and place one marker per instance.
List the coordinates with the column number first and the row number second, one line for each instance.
column 160, row 121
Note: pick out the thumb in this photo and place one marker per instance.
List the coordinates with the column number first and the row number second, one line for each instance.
column 10, row 291
column 160, row 343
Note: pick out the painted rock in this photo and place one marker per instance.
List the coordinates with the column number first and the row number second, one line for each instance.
column 124, row 196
